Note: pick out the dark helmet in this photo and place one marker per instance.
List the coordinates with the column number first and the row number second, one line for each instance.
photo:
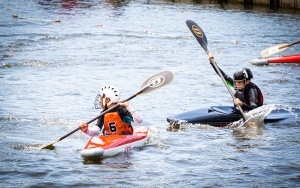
column 243, row 74
column 250, row 75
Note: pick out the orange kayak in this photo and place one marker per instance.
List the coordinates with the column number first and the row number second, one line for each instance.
column 110, row 145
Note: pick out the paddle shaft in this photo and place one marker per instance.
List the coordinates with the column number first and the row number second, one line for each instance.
column 148, row 86
column 297, row 42
column 228, row 88
column 115, row 106
column 106, row 111
column 75, row 130
column 202, row 40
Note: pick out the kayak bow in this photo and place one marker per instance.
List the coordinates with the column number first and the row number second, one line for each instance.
column 282, row 59
column 221, row 116
column 111, row 145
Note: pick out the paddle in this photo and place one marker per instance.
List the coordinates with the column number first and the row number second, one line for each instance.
column 276, row 49
column 151, row 84
column 33, row 19
column 201, row 38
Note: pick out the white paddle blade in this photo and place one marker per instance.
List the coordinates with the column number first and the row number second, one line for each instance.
column 157, row 81
column 274, row 50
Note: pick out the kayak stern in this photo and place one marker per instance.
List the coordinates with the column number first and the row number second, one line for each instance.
column 110, row 145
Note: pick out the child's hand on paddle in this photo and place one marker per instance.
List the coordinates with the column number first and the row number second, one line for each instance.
column 125, row 104
column 83, row 127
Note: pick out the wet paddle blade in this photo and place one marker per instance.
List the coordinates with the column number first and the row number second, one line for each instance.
column 49, row 146
column 274, row 50
column 198, row 34
column 157, row 81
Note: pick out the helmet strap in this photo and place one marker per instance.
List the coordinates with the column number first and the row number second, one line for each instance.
column 104, row 101
column 109, row 103
column 106, row 104
column 240, row 91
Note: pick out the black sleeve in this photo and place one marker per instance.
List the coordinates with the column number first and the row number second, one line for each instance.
column 100, row 121
column 252, row 98
column 228, row 79
column 122, row 111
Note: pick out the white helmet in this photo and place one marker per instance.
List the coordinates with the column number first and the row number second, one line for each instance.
column 108, row 91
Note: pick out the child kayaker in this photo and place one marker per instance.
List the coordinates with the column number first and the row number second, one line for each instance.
column 116, row 122
column 248, row 95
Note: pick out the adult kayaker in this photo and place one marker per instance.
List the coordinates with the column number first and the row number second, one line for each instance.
column 116, row 122
column 248, row 95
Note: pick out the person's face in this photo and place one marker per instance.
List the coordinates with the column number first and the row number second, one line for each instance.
column 101, row 101
column 240, row 84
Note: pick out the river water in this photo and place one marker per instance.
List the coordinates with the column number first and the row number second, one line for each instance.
column 51, row 71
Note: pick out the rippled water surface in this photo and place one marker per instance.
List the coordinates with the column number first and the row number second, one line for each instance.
column 50, row 72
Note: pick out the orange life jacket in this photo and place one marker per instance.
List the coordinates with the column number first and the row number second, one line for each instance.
column 113, row 125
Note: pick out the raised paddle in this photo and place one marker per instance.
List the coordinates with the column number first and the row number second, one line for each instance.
column 276, row 49
column 152, row 83
column 201, row 38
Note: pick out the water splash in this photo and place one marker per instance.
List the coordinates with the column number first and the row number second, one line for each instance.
column 248, row 131
column 254, row 125
column 255, row 116
column 183, row 125
column 258, row 115
column 154, row 138
column 22, row 146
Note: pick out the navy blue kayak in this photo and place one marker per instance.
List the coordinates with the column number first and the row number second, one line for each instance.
column 223, row 115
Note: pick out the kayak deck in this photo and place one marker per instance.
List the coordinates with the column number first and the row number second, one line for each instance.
column 221, row 116
column 110, row 145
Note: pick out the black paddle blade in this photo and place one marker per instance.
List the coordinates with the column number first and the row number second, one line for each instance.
column 50, row 147
column 198, row 33
column 157, row 81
